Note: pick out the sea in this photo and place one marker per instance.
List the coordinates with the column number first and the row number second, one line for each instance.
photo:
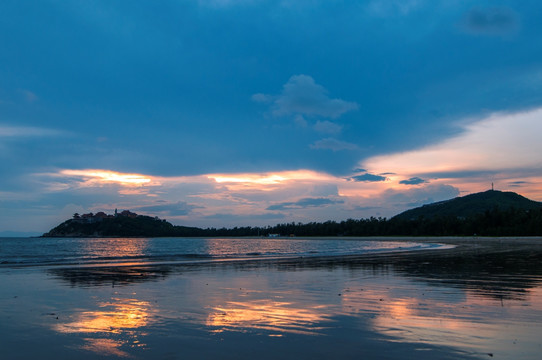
column 133, row 251
column 205, row 298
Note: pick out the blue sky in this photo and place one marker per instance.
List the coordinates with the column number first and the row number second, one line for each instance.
column 255, row 112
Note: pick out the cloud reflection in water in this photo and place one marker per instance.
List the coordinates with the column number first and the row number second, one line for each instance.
column 448, row 317
column 118, row 324
column 277, row 317
column 467, row 305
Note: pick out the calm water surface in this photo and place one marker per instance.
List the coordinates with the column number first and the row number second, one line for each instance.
column 58, row 251
column 441, row 304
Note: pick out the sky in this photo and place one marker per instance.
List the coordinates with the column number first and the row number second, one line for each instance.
column 223, row 113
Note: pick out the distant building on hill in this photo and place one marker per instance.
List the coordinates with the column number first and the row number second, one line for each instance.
column 128, row 213
column 100, row 216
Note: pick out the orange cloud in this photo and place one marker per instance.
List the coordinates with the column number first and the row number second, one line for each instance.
column 497, row 143
column 93, row 177
column 279, row 317
column 270, row 178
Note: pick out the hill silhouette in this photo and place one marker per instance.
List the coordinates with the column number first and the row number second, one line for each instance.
column 126, row 224
column 489, row 213
column 471, row 205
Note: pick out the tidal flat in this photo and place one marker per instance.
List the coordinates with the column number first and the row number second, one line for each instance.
column 479, row 298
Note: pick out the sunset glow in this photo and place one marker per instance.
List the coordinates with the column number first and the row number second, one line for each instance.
column 228, row 137
column 289, row 179
column 278, row 317
column 270, row 179
column 267, row 198
column 429, row 316
column 117, row 316
column 107, row 177
column 500, row 142
column 120, row 316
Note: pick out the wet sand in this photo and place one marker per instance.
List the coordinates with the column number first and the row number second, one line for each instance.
column 480, row 299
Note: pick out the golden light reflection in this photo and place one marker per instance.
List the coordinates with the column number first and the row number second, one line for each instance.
column 275, row 316
column 120, row 316
column 404, row 320
column 122, row 248
column 93, row 176
column 115, row 318
column 433, row 319
column 105, row 347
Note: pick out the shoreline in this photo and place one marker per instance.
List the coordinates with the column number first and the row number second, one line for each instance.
column 251, row 259
column 446, row 247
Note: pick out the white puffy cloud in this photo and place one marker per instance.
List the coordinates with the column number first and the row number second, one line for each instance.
column 301, row 95
column 333, row 145
column 262, row 98
column 28, row 95
column 327, row 127
column 27, row 131
column 300, row 121
column 384, row 8
column 225, row 3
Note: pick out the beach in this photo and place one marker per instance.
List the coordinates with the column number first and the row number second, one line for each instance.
column 475, row 298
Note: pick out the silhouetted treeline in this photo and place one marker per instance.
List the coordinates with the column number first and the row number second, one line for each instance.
column 495, row 222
